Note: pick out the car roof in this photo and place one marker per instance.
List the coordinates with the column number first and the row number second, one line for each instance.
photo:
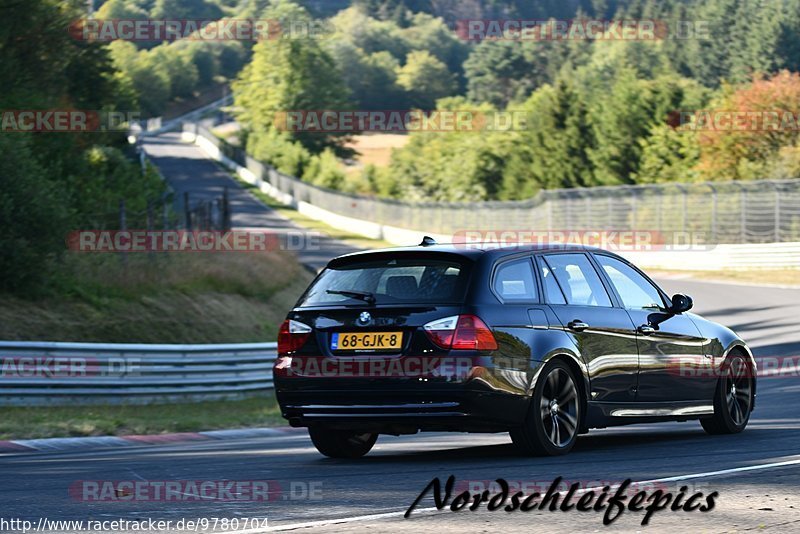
column 471, row 250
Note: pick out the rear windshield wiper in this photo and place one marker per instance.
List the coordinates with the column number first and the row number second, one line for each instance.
column 367, row 297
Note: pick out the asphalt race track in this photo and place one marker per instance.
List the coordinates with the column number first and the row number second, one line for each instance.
column 756, row 473
column 310, row 488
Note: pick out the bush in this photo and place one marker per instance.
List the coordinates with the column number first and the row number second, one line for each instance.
column 276, row 149
column 33, row 216
column 325, row 170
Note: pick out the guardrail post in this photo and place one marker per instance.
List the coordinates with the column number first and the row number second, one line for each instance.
column 743, row 203
column 150, row 225
column 122, row 227
column 777, row 213
column 187, row 214
column 713, row 213
column 226, row 210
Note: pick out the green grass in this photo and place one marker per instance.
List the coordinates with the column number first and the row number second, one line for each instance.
column 121, row 420
column 232, row 297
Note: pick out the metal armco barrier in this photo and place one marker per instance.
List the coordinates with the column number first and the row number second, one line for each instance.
column 39, row 373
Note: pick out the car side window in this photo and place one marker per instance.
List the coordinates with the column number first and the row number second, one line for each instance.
column 551, row 290
column 578, row 280
column 514, row 281
column 634, row 289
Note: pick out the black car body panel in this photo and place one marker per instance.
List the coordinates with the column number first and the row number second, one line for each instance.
column 625, row 375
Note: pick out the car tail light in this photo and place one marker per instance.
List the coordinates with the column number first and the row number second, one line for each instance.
column 461, row 332
column 291, row 336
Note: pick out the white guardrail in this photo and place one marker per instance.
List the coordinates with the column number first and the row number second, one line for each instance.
column 157, row 125
column 39, row 373
column 784, row 255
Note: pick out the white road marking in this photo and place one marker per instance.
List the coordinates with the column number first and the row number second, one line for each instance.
column 387, row 515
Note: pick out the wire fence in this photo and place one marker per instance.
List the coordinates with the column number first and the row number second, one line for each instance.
column 759, row 211
column 167, row 211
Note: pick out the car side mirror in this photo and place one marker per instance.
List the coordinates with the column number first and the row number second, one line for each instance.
column 681, row 303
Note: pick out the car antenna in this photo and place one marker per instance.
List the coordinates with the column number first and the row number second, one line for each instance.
column 427, row 241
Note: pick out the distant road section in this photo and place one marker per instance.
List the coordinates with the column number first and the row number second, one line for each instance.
column 187, row 168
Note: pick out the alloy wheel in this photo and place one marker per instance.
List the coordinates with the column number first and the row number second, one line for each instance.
column 559, row 407
column 738, row 392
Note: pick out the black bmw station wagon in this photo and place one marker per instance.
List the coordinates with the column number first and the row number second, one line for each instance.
column 541, row 341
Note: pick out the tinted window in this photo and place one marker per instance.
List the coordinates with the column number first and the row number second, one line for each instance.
column 633, row 288
column 514, row 280
column 551, row 290
column 390, row 282
column 578, row 280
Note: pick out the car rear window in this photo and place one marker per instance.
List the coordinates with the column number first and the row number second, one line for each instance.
column 390, row 281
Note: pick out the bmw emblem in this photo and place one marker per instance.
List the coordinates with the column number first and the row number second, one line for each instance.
column 364, row 319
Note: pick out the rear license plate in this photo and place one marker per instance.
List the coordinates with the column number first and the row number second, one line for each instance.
column 367, row 341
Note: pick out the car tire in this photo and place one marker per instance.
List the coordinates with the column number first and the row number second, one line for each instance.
column 553, row 419
column 733, row 398
column 341, row 443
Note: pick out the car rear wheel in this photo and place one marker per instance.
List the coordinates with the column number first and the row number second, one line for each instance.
column 733, row 399
column 341, row 443
column 553, row 420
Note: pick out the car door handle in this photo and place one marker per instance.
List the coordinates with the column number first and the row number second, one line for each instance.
column 577, row 325
column 646, row 330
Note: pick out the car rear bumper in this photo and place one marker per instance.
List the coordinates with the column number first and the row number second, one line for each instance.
column 401, row 409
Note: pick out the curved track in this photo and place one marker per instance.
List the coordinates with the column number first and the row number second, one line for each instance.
column 309, row 491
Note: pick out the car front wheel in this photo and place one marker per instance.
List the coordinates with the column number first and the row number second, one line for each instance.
column 341, row 443
column 553, row 420
column 733, row 399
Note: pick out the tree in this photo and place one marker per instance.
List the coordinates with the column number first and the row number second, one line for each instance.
column 148, row 75
column 554, row 150
column 186, row 10
column 748, row 149
column 372, row 79
column 181, row 71
column 448, row 165
column 33, row 216
column 668, row 155
column 120, row 9
column 625, row 113
column 201, row 55
column 426, row 79
column 428, row 33
column 291, row 75
column 503, row 71
column 370, row 35
column 325, row 170
column 48, row 181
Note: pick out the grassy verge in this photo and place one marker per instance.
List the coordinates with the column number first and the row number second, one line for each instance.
column 776, row 276
column 166, row 298
column 64, row 421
